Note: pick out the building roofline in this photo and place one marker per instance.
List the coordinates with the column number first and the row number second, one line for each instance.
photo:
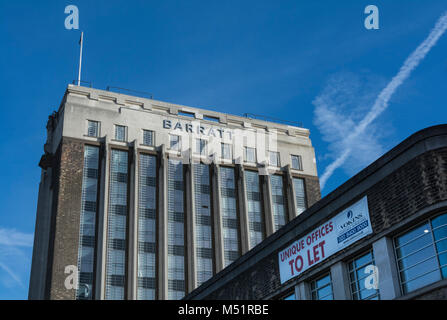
column 173, row 109
column 425, row 140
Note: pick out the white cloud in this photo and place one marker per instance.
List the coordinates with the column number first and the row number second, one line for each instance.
column 14, row 258
column 12, row 237
column 346, row 144
column 338, row 109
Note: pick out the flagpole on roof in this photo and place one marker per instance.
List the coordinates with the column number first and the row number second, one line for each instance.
column 81, row 42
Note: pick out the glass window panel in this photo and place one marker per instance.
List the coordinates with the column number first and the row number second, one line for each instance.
column 411, row 235
column 176, row 239
column 324, row 292
column 201, row 147
column 86, row 249
column 279, row 203
column 274, row 159
column 116, row 231
column 298, row 185
column 421, row 281
column 174, row 142
column 414, row 245
column 296, row 162
column 148, row 137
column 419, row 269
column 92, row 128
column 120, row 133
column 439, row 221
column 255, row 214
column 323, row 281
column 229, row 214
column 440, row 233
column 418, row 256
column 250, row 154
column 321, row 288
column 363, row 260
column 226, row 151
column 421, row 254
column 147, row 226
column 202, row 201
column 358, row 276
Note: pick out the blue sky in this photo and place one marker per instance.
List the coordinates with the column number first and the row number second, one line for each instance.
column 276, row 58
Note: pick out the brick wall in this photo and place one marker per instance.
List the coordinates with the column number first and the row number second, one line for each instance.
column 418, row 184
column 313, row 193
column 66, row 217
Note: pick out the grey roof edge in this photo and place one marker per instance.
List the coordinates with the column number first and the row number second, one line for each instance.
column 233, row 118
column 422, row 141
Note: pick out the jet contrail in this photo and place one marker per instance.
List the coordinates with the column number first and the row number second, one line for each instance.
column 381, row 102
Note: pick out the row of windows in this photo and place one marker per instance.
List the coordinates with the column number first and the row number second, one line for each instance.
column 88, row 222
column 116, row 254
column 226, row 152
column 421, row 254
column 203, row 225
column 421, row 257
column 93, row 129
column 117, row 226
column 176, row 231
column 147, row 229
column 321, row 288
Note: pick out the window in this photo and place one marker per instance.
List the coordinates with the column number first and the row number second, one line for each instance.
column 201, row 147
column 230, row 222
column 254, row 207
column 297, row 162
column 174, row 142
column 226, row 151
column 358, row 275
column 202, row 219
column 147, row 229
column 176, row 231
column 422, row 254
column 120, row 133
column 300, row 196
column 92, row 128
column 279, row 203
column 87, row 227
column 117, row 226
column 274, row 159
column 321, row 288
column 250, row 154
column 148, row 138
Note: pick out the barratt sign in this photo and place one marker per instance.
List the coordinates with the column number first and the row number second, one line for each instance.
column 344, row 229
column 196, row 128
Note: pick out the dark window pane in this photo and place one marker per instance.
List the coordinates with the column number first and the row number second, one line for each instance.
column 439, row 221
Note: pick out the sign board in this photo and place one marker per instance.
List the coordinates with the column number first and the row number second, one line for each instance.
column 347, row 227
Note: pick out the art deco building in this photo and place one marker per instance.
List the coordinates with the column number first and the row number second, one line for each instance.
column 147, row 200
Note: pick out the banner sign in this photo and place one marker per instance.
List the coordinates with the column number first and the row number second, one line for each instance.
column 347, row 227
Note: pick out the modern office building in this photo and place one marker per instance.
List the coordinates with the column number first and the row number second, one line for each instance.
column 143, row 199
column 380, row 235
